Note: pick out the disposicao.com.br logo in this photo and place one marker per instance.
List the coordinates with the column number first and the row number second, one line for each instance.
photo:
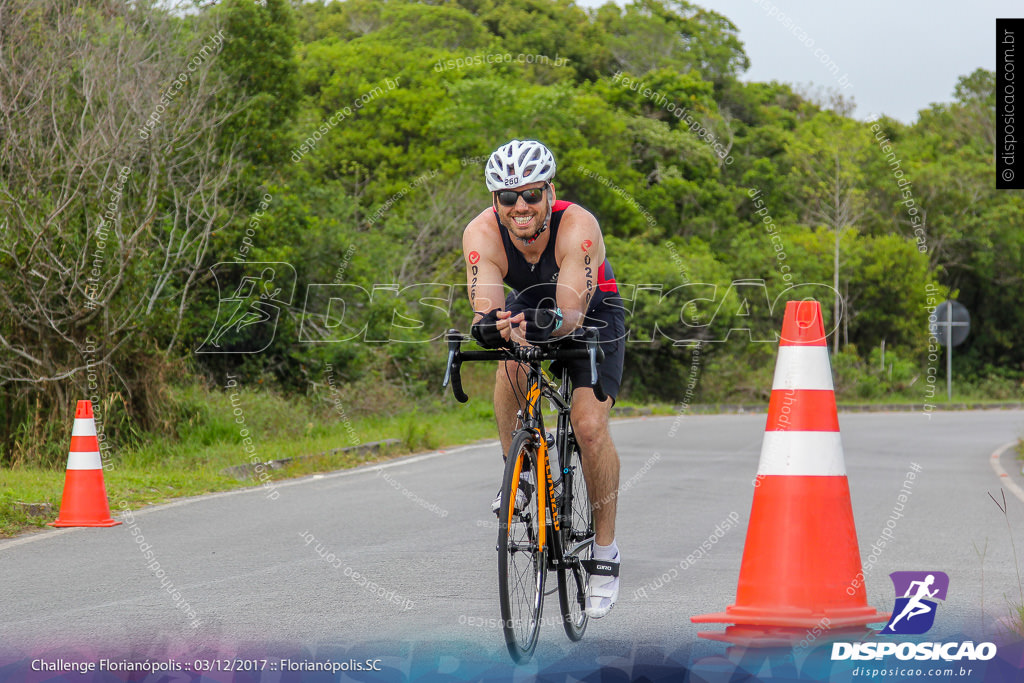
column 914, row 613
column 917, row 596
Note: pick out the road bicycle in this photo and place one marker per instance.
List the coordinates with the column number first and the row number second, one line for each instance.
column 549, row 525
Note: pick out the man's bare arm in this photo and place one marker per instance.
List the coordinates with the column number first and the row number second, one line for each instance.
column 582, row 252
column 483, row 274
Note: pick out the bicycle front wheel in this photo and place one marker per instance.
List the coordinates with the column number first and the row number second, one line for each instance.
column 577, row 544
column 522, row 566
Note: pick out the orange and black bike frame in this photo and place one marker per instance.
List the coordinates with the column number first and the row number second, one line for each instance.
column 531, row 414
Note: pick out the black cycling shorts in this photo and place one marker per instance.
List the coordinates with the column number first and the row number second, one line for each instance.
column 610, row 320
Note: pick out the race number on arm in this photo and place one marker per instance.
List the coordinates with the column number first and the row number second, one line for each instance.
column 483, row 254
column 580, row 253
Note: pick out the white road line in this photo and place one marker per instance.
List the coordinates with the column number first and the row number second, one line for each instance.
column 1001, row 473
column 362, row 469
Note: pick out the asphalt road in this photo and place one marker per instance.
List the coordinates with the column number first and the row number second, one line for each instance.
column 398, row 560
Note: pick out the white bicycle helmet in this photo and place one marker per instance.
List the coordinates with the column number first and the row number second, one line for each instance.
column 517, row 163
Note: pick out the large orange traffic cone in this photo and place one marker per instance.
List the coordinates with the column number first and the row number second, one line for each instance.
column 801, row 561
column 85, row 497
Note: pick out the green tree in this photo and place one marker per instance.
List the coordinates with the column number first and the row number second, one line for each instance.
column 647, row 35
column 829, row 154
column 258, row 58
column 975, row 233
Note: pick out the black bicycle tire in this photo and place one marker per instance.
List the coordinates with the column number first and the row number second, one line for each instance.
column 572, row 579
column 520, row 644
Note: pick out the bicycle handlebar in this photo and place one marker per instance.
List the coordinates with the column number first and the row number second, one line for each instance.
column 525, row 354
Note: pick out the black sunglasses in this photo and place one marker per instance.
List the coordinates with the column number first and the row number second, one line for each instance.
column 510, row 197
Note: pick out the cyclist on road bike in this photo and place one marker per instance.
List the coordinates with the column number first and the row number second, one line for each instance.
column 552, row 254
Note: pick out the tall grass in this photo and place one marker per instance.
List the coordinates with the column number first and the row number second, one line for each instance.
column 210, row 425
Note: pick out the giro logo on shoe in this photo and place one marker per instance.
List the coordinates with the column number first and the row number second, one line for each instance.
column 914, row 612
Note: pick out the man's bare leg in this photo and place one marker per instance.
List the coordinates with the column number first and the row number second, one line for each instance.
column 507, row 401
column 600, row 460
column 601, row 472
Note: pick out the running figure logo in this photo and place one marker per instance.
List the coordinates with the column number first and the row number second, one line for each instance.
column 914, row 613
column 247, row 316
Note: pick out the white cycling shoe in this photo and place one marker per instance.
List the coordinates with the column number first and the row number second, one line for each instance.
column 603, row 586
column 523, row 493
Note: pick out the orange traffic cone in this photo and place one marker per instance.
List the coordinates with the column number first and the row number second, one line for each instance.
column 85, row 497
column 801, row 561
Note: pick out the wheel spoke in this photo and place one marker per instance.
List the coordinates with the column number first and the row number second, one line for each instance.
column 521, row 568
column 578, row 539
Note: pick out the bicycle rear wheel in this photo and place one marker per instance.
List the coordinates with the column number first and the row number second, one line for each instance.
column 577, row 544
column 522, row 567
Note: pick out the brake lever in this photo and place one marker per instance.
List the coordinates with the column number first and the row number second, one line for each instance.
column 452, row 372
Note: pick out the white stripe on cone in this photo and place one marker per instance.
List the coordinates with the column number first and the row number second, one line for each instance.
column 84, row 461
column 802, row 367
column 84, row 426
column 802, row 453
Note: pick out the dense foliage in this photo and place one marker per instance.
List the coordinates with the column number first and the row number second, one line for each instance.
column 344, row 142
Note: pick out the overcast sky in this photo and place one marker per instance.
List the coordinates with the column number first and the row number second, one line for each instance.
column 898, row 56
